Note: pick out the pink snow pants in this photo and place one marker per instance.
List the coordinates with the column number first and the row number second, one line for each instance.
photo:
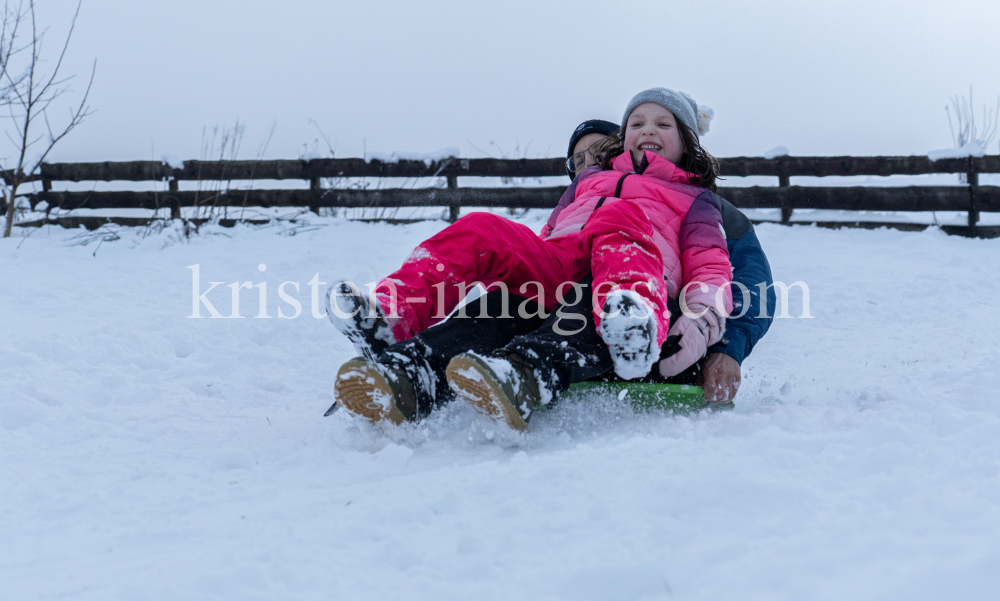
column 616, row 245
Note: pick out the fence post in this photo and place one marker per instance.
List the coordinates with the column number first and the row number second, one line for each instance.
column 175, row 207
column 453, row 210
column 46, row 187
column 314, row 187
column 973, row 178
column 786, row 213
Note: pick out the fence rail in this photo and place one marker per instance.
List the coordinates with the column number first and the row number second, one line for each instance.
column 329, row 168
column 970, row 198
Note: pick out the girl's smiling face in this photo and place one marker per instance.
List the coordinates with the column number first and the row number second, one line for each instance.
column 654, row 128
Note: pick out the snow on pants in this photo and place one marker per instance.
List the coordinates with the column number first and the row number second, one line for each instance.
column 623, row 254
column 616, row 245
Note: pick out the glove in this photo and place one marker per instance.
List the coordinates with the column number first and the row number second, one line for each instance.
column 688, row 341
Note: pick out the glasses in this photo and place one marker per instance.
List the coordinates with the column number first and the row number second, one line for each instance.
column 578, row 161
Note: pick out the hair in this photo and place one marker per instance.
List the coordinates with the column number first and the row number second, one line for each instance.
column 696, row 160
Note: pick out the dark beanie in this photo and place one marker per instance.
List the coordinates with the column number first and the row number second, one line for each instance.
column 594, row 126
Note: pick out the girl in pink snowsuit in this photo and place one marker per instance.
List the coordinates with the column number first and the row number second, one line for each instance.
column 647, row 229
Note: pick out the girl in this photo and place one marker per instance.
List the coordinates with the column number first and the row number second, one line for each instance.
column 664, row 219
column 645, row 222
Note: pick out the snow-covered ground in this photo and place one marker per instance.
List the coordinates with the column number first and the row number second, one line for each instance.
column 146, row 455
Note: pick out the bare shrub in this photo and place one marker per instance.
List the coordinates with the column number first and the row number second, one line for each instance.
column 965, row 130
column 28, row 93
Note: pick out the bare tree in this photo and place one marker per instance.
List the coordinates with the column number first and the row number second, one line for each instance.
column 28, row 95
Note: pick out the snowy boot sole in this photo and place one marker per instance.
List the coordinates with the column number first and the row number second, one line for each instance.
column 476, row 383
column 365, row 391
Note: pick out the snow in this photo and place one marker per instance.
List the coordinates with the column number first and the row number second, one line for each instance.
column 151, row 456
column 470, row 374
column 909, row 217
column 777, row 151
column 426, row 157
column 173, row 161
column 969, row 149
column 351, row 374
column 418, row 253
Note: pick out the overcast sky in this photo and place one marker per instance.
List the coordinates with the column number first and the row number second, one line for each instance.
column 514, row 77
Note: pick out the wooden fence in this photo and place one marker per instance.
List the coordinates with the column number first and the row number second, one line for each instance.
column 971, row 198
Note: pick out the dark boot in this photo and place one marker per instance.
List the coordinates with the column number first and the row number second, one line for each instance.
column 430, row 390
column 504, row 388
column 375, row 392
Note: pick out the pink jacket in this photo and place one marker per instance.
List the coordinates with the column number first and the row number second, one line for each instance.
column 687, row 222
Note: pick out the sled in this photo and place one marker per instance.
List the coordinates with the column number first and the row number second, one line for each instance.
column 660, row 397
column 643, row 396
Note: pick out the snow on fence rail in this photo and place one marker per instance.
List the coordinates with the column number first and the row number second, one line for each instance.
column 971, row 198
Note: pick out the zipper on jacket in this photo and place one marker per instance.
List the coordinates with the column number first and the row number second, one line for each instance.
column 618, row 189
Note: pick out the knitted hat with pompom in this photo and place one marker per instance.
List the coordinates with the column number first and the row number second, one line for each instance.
column 697, row 117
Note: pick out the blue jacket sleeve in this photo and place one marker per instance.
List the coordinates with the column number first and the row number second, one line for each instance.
column 750, row 268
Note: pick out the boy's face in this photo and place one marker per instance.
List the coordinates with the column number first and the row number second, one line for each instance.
column 654, row 128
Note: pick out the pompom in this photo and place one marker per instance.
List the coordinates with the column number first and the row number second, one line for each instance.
column 705, row 116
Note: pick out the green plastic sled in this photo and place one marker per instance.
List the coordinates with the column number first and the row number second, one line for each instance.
column 663, row 397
